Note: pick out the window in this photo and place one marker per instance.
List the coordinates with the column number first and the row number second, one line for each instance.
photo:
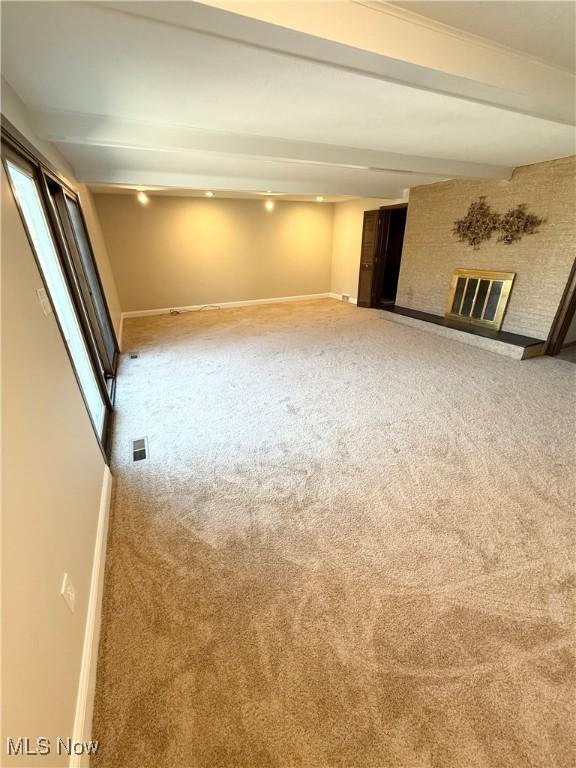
column 83, row 269
column 28, row 196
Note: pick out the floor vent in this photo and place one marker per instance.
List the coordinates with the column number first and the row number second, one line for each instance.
column 139, row 449
column 134, row 356
column 346, row 297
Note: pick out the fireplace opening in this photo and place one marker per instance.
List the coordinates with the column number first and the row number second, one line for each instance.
column 479, row 297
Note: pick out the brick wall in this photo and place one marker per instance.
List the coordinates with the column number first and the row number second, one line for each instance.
column 541, row 261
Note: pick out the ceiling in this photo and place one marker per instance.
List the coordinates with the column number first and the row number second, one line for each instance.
column 116, row 189
column 192, row 96
column 543, row 29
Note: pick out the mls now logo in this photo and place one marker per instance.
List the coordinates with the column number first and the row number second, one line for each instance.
column 23, row 745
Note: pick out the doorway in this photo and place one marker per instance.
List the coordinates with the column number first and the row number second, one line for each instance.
column 381, row 255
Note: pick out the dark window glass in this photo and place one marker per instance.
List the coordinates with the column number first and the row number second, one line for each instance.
column 458, row 295
column 493, row 300
column 469, row 296
column 92, row 283
column 480, row 299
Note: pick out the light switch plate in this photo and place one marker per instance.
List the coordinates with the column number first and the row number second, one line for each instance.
column 68, row 592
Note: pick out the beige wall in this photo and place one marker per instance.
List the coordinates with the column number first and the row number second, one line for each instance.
column 181, row 251
column 52, row 472
column 52, row 475
column 15, row 111
column 541, row 261
column 347, row 240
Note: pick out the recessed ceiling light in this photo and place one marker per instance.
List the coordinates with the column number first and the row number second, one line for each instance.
column 319, row 199
column 269, row 205
column 209, row 194
column 142, row 198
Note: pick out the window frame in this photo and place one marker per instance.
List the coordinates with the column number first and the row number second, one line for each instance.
column 20, row 152
column 59, row 196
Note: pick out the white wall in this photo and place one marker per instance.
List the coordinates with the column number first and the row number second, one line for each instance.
column 347, row 242
column 52, row 477
column 52, row 473
column 182, row 251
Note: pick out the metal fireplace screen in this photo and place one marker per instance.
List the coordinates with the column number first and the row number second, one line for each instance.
column 479, row 297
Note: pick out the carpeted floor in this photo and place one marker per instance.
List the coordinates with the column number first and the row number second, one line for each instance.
column 352, row 546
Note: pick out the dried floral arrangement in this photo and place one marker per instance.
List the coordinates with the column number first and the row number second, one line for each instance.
column 481, row 221
column 516, row 222
column 478, row 224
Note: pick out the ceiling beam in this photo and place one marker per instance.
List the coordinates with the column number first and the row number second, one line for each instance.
column 380, row 188
column 383, row 42
column 96, row 130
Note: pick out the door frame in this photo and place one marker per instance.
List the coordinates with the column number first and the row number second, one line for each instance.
column 564, row 315
column 380, row 245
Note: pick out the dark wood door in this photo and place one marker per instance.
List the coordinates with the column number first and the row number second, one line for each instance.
column 380, row 256
column 389, row 256
column 370, row 240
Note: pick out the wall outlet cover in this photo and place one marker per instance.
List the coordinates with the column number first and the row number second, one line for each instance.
column 68, row 592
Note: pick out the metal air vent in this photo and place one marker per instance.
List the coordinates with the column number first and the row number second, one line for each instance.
column 139, row 449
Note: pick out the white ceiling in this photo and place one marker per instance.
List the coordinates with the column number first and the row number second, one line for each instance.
column 545, row 29
column 220, row 171
column 174, row 102
column 110, row 189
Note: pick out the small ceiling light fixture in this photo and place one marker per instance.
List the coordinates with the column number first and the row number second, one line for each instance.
column 319, row 199
column 209, row 194
column 142, row 197
column 269, row 205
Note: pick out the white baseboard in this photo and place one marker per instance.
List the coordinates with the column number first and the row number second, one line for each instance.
column 338, row 297
column 87, row 681
column 224, row 305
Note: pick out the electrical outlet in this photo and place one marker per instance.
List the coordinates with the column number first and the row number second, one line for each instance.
column 44, row 301
column 68, row 592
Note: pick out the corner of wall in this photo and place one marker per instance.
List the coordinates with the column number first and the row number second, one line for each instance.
column 347, row 225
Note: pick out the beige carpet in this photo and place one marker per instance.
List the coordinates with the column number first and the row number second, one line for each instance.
column 352, row 545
